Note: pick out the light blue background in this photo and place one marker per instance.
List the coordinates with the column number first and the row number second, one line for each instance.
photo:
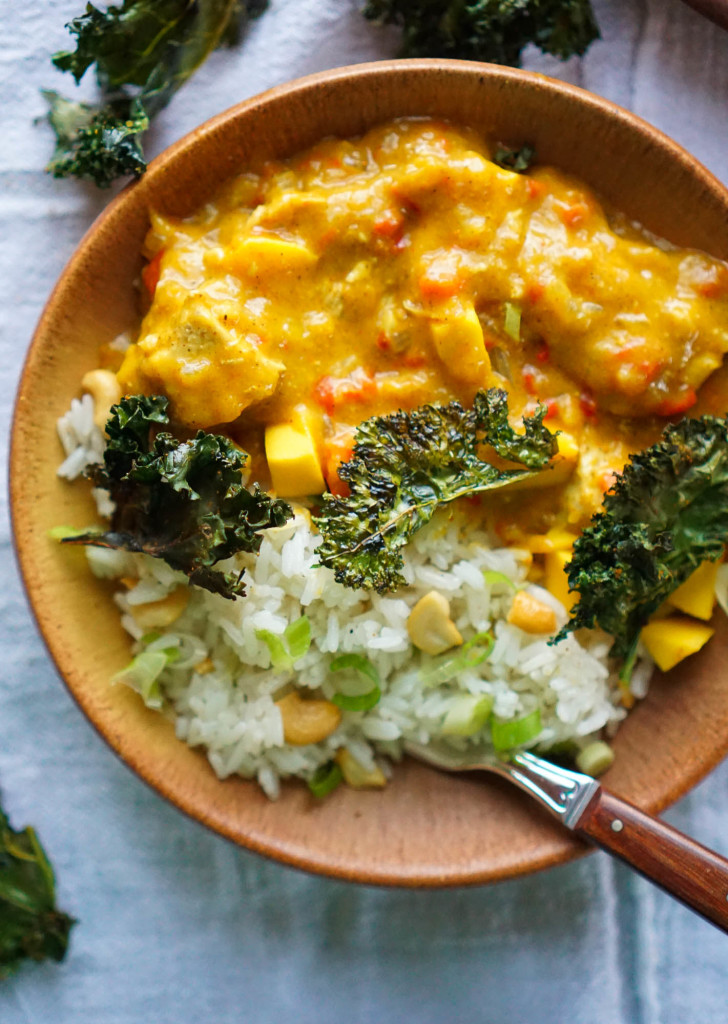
column 179, row 926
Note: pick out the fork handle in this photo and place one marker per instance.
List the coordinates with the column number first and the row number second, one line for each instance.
column 691, row 873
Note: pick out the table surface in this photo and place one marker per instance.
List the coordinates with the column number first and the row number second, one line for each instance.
column 177, row 925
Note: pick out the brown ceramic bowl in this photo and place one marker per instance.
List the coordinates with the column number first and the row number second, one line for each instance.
column 425, row 829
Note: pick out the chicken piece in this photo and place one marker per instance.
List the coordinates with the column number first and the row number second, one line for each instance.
column 205, row 361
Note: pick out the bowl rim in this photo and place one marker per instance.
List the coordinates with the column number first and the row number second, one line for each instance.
column 309, row 861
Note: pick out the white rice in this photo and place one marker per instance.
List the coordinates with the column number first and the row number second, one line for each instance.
column 231, row 710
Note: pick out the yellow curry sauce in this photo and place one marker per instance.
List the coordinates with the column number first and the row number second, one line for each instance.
column 405, row 267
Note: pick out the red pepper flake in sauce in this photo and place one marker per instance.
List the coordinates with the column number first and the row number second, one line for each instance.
column 534, row 291
column 587, row 405
column 572, row 216
column 543, row 355
column 331, row 392
column 678, row 404
column 534, row 189
column 383, row 342
column 389, row 226
column 414, row 360
column 528, row 376
column 553, row 408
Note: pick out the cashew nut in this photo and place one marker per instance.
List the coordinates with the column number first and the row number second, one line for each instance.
column 159, row 614
column 105, row 390
column 307, row 721
column 430, row 627
column 531, row 615
column 356, row 775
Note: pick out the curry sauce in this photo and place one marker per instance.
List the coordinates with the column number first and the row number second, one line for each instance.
column 406, row 267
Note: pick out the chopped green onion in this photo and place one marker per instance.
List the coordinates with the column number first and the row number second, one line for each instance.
column 66, row 532
column 149, row 638
column 495, row 579
column 142, row 674
column 470, row 655
column 512, row 321
column 297, row 637
column 515, row 732
column 279, row 656
column 325, row 779
column 357, row 701
column 467, row 715
column 595, row 758
column 360, row 702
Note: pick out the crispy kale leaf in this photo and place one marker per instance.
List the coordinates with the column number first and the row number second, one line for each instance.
column 183, row 501
column 99, row 145
column 518, row 160
column 143, row 52
column 489, row 30
column 666, row 513
column 31, row 926
column 405, row 466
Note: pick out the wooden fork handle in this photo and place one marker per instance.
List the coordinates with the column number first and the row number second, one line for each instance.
column 691, row 873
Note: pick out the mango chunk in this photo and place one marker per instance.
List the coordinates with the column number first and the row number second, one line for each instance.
column 531, row 615
column 555, row 540
column 696, row 596
column 267, row 254
column 560, row 468
column 555, row 579
column 293, row 459
column 672, row 639
column 459, row 343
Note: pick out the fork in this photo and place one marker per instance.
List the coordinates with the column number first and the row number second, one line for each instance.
column 690, row 872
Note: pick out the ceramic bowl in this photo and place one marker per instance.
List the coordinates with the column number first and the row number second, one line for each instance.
column 425, row 829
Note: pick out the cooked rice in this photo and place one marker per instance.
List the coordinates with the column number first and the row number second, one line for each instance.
column 231, row 710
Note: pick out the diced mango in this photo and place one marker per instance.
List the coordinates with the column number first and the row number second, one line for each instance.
column 458, row 339
column 672, row 639
column 267, row 254
column 696, row 596
column 293, row 460
column 560, row 468
column 554, row 540
column 555, row 578
column 531, row 615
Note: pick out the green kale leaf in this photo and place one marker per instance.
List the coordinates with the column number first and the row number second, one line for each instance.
column 489, row 30
column 405, row 466
column 183, row 501
column 31, row 926
column 96, row 144
column 665, row 514
column 143, row 52
column 518, row 160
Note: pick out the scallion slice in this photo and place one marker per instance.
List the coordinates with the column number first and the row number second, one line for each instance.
column 468, row 714
column 298, row 637
column 496, row 579
column 67, row 532
column 357, row 701
column 290, row 647
column 515, row 732
column 448, row 666
column 142, row 674
column 512, row 321
column 325, row 779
